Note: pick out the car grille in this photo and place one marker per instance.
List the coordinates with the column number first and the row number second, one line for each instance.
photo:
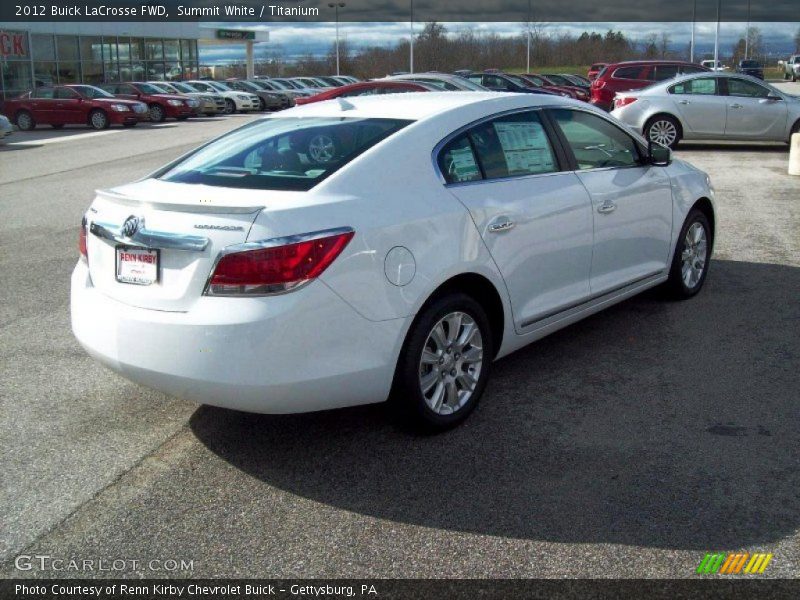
column 192, row 103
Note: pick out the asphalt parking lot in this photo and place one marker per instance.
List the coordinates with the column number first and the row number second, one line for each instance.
column 627, row 445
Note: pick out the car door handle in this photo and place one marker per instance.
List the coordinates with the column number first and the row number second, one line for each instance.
column 605, row 209
column 736, row 106
column 501, row 225
column 683, row 102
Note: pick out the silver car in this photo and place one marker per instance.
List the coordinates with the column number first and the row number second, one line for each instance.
column 710, row 106
column 442, row 81
column 5, row 128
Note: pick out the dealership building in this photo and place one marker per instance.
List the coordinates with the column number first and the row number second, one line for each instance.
column 37, row 54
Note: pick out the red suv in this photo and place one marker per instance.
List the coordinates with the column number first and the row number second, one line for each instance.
column 162, row 106
column 634, row 75
column 73, row 105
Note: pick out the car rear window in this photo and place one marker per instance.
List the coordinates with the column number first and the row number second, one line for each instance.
column 284, row 153
column 627, row 73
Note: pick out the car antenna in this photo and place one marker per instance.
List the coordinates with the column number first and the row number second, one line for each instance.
column 345, row 105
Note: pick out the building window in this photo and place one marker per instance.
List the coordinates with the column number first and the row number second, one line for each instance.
column 92, row 72
column 16, row 78
column 69, row 72
column 45, row 73
column 188, row 50
column 43, row 47
column 155, row 71
column 91, row 49
column 172, row 50
column 154, row 50
column 67, row 46
column 124, row 49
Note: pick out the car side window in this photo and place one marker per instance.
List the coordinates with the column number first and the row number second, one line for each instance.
column 746, row 89
column 627, row 73
column 702, row 86
column 496, row 83
column 664, row 72
column 513, row 145
column 457, row 161
column 595, row 142
column 43, row 94
column 65, row 94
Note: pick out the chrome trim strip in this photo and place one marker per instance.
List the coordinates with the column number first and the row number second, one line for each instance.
column 144, row 238
column 582, row 303
column 176, row 207
column 271, row 243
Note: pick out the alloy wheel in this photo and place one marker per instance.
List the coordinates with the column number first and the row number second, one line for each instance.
column 24, row 121
column 322, row 148
column 694, row 255
column 156, row 113
column 98, row 120
column 663, row 132
column 451, row 362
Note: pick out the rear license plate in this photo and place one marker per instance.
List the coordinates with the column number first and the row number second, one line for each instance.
column 137, row 265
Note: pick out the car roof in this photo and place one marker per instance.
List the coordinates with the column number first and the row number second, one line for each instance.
column 417, row 107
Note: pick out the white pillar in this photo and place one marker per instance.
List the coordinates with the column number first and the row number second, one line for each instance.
column 251, row 68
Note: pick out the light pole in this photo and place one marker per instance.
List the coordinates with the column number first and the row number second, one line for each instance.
column 747, row 32
column 694, row 20
column 411, row 47
column 336, row 6
column 716, row 36
column 528, row 59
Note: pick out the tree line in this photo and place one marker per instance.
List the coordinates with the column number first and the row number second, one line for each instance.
column 436, row 49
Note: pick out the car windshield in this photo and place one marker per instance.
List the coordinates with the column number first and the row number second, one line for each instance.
column 519, row 80
column 147, row 88
column 281, row 85
column 261, row 85
column 282, row 153
column 164, row 88
column 183, row 87
column 89, row 91
column 750, row 64
column 558, row 79
column 220, row 87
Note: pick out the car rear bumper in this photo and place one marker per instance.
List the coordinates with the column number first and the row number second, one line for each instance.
column 299, row 352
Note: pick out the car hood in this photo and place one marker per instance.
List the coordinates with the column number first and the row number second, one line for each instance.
column 170, row 96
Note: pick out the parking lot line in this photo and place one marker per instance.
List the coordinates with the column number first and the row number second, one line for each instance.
column 65, row 138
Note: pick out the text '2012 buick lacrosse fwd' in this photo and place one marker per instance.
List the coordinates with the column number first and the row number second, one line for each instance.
column 347, row 252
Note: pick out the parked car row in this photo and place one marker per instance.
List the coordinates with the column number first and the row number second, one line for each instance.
column 130, row 103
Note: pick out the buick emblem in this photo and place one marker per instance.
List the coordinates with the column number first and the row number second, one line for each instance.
column 131, row 226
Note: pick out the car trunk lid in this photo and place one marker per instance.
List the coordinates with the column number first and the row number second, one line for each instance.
column 180, row 227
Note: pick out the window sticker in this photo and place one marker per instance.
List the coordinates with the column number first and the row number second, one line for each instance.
column 525, row 147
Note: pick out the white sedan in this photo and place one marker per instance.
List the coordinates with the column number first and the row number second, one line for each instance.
column 438, row 233
column 234, row 99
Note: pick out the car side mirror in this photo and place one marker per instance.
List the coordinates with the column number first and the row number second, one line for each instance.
column 658, row 155
column 773, row 97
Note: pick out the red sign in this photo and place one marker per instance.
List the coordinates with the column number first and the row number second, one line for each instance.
column 12, row 44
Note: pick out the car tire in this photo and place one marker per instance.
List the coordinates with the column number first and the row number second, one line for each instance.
column 57, row 125
column 98, row 119
column 157, row 113
column 230, row 106
column 437, row 385
column 664, row 130
column 687, row 275
column 322, row 148
column 262, row 105
column 25, row 121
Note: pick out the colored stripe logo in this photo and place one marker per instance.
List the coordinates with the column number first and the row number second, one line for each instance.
column 733, row 564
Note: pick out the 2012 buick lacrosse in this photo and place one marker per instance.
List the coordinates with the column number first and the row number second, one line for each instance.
column 346, row 252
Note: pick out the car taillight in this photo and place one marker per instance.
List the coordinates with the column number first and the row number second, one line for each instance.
column 620, row 102
column 82, row 240
column 599, row 84
column 275, row 267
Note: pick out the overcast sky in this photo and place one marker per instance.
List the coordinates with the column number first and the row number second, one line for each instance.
column 297, row 39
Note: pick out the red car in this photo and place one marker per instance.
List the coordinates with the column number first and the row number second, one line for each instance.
column 73, row 105
column 367, row 88
column 162, row 106
column 594, row 70
column 634, row 75
column 542, row 81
